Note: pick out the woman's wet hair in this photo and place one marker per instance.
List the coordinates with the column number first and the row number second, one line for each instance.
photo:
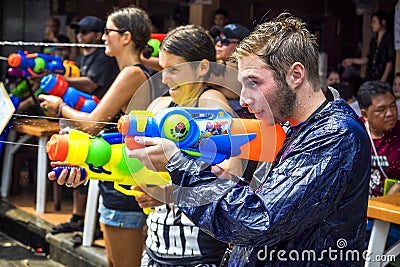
column 136, row 21
column 192, row 43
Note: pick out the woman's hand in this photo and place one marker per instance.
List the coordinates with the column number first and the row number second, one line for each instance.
column 50, row 103
column 347, row 62
column 146, row 200
column 71, row 180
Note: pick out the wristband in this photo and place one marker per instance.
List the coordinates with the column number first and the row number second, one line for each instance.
column 60, row 107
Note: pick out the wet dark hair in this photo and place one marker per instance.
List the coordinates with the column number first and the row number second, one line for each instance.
column 136, row 21
column 382, row 16
column 192, row 43
column 371, row 89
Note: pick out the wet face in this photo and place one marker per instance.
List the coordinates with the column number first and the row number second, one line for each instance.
column 179, row 75
column 333, row 78
column 224, row 47
column 262, row 94
column 382, row 114
column 396, row 87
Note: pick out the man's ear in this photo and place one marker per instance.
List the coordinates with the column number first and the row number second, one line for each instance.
column 203, row 67
column 296, row 75
column 364, row 113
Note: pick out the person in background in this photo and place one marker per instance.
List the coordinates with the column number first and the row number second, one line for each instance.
column 97, row 73
column 396, row 89
column 379, row 111
column 121, row 219
column 52, row 35
column 316, row 192
column 380, row 57
column 220, row 17
column 333, row 76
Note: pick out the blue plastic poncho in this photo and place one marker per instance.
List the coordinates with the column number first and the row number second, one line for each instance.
column 313, row 201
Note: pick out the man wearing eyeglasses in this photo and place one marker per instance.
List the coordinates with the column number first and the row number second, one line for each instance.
column 226, row 39
column 97, row 73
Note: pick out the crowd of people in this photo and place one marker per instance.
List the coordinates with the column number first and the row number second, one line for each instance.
column 312, row 194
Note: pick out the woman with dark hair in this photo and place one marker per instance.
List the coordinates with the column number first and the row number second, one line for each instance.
column 380, row 58
column 121, row 219
column 186, row 54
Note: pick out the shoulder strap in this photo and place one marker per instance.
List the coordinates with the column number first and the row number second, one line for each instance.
column 147, row 73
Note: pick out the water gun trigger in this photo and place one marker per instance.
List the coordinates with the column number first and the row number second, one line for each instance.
column 131, row 143
column 134, row 193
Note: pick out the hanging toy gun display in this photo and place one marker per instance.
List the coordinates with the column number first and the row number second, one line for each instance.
column 155, row 41
column 58, row 86
column 103, row 158
column 211, row 135
column 31, row 64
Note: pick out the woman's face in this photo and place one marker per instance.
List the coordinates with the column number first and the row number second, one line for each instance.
column 112, row 39
column 224, row 47
column 181, row 78
column 396, row 86
column 333, row 78
column 375, row 24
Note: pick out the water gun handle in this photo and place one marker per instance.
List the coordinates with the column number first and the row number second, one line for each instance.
column 59, row 169
column 118, row 187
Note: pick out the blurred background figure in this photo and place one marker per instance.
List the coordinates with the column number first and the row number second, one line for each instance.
column 220, row 17
column 396, row 89
column 52, row 35
column 332, row 77
column 227, row 38
column 381, row 54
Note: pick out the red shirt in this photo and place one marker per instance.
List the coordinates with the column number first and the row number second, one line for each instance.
column 388, row 150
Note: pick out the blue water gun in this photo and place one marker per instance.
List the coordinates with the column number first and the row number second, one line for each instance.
column 211, row 135
column 58, row 86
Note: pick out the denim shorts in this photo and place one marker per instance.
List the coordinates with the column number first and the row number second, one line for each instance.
column 122, row 219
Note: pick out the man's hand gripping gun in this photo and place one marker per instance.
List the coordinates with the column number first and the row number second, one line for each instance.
column 103, row 158
column 211, row 135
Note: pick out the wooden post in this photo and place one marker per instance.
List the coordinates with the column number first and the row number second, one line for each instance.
column 202, row 14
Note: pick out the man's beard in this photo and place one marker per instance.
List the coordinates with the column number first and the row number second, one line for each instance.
column 285, row 101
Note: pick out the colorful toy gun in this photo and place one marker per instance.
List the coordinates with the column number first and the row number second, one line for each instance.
column 22, row 88
column 58, row 86
column 211, row 135
column 103, row 160
column 31, row 64
column 155, row 41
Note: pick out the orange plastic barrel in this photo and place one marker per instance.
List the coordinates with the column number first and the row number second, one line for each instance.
column 57, row 147
column 268, row 141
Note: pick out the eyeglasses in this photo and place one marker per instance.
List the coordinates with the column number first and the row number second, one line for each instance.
column 225, row 41
column 107, row 31
column 83, row 31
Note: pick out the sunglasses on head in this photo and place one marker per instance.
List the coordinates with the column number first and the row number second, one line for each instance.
column 225, row 41
column 83, row 31
column 107, row 31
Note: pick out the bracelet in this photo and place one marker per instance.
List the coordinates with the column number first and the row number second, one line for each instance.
column 60, row 108
column 57, row 105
